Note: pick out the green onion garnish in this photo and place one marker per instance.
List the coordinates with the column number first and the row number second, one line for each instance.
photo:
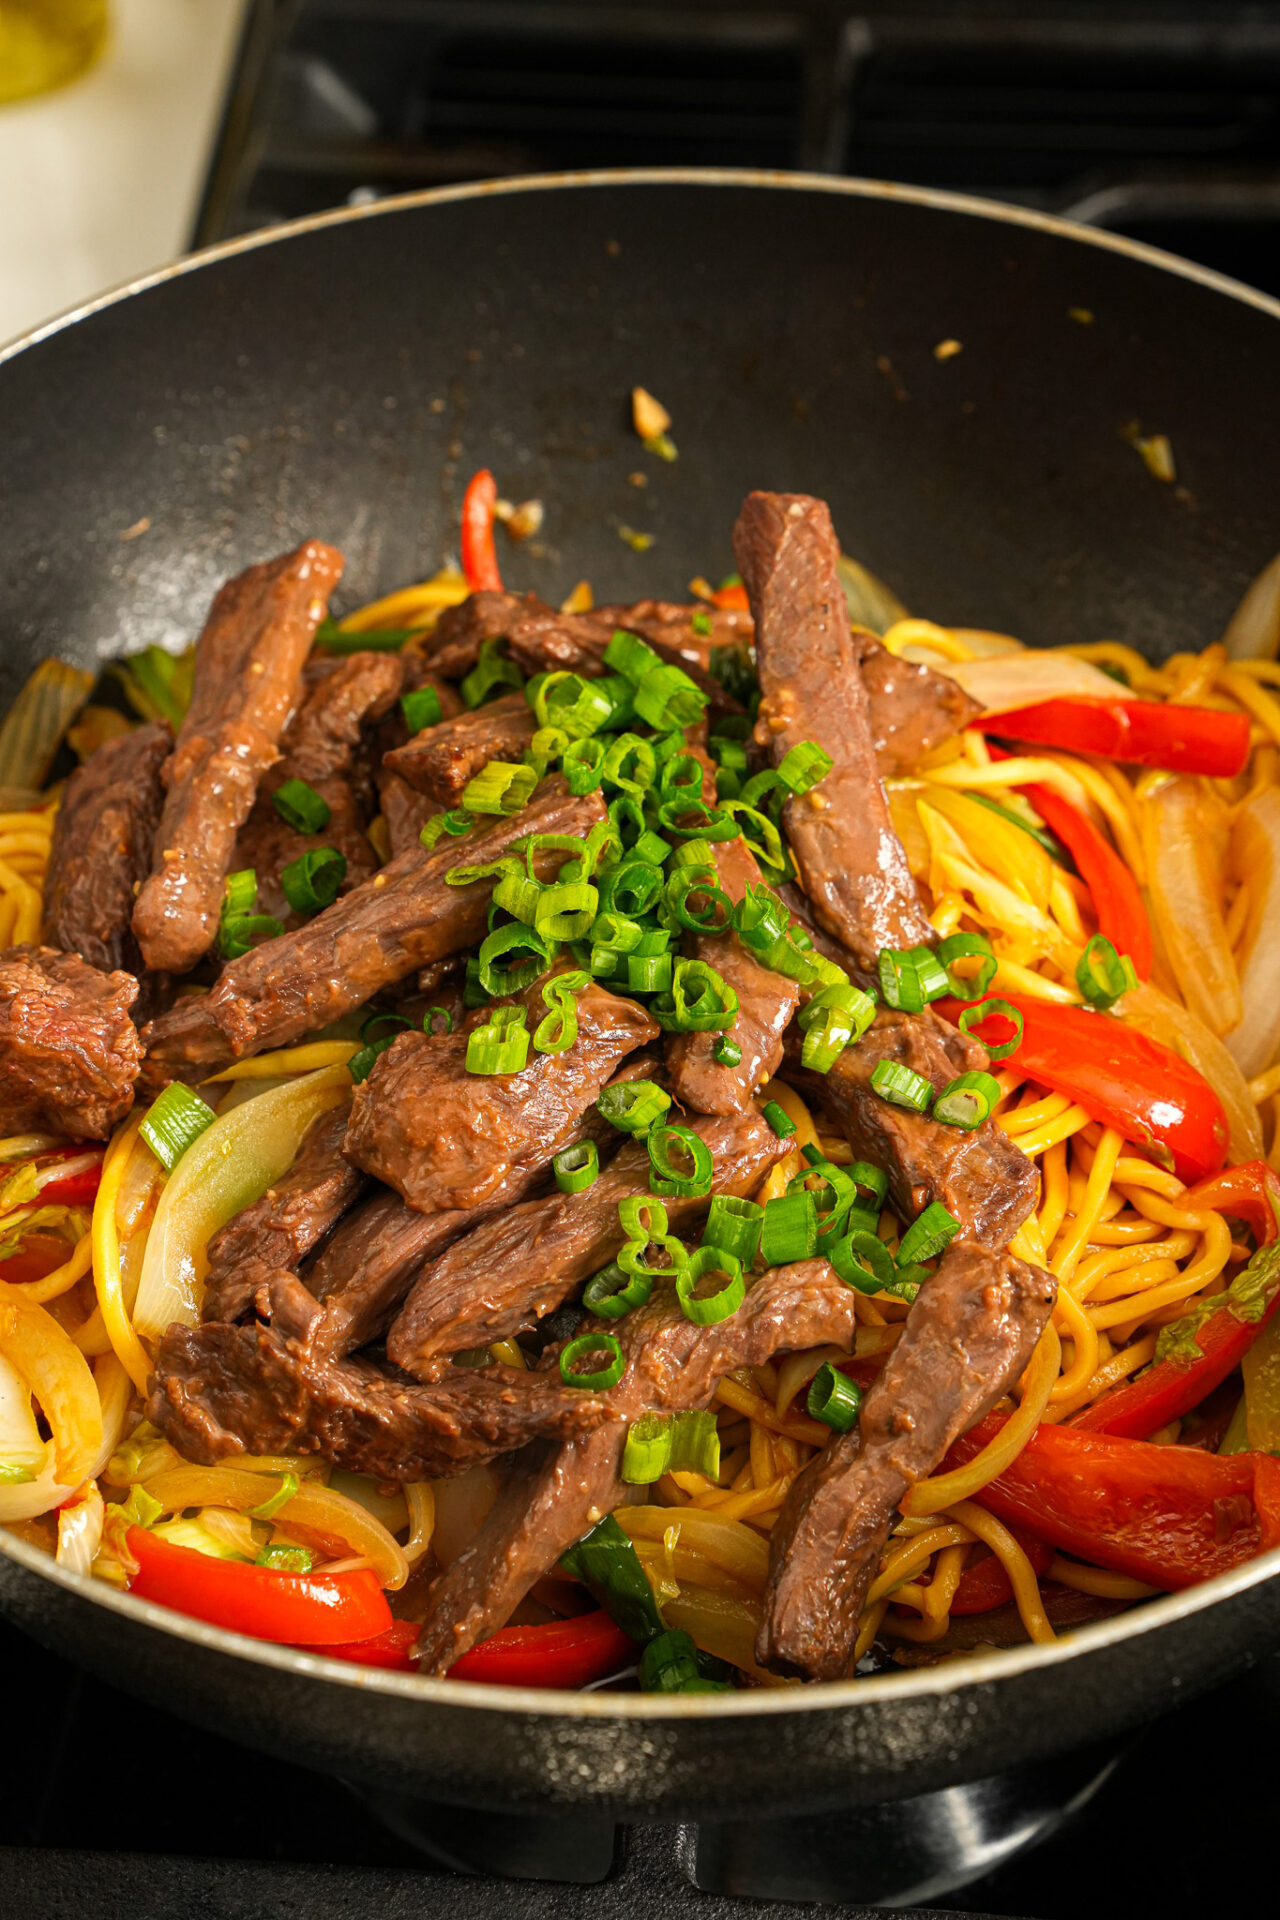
column 833, row 1019
column 975, row 1015
column 968, row 1101
column 611, row 1293
column 576, row 1168
column 501, row 1045
column 778, row 1120
column 803, row 766
column 559, row 1030
column 962, row 946
column 631, row 888
column 582, row 764
column 928, row 1234
column 1103, row 975
column 312, row 883
column 361, row 1064
column 610, row 1566
column 529, row 956
column 301, row 807
column 910, row 977
column 176, row 1119
column 832, row 1198
column 587, row 1345
column 633, row 1106
column 789, row 1229
column 688, row 885
column 902, row 1087
column 701, row 625
column 706, row 1309
column 280, row 1498
column 429, row 1020
column 666, row 697
column 630, row 656
column 332, row 638
column 651, row 847
column 566, row 909
column 491, row 672
column 871, row 1180
column 285, row 1559
column 630, row 764
column 635, row 1257
column 688, row 818
column 501, row 787
column 726, row 1053
column 863, row 1261
column 238, row 925
column 834, row 1399
column 699, row 1001
column 568, row 701
column 642, row 1217
column 666, row 1175
column 659, row 1443
column 456, row 821
column 421, row 708
column 734, row 1226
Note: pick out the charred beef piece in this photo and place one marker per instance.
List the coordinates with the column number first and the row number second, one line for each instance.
column 220, row 1390
column 101, row 849
column 912, row 708
column 321, row 746
column 453, row 648
column 509, row 1273
column 401, row 920
column 550, row 642
column 278, row 1232
column 556, row 1494
column 69, row 1053
column 248, row 667
column 766, row 1002
column 980, row 1177
column 854, row 869
column 441, row 759
column 443, row 1137
column 969, row 1334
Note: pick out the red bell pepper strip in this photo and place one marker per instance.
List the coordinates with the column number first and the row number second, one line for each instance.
column 564, row 1653
column 479, row 559
column 1116, row 900
column 732, row 598
column 298, row 1609
column 77, row 1191
column 39, row 1254
column 393, row 1649
column 1154, row 733
column 986, row 1586
column 1169, row 1516
column 1175, row 1385
column 1120, row 1076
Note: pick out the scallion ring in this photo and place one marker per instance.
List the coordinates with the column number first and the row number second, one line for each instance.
column 1103, row 975
column 611, row 1293
column 974, row 1016
column 902, row 1086
column 584, row 1347
column 680, row 1163
column 313, row 881
column 834, row 1399
column 301, row 807
column 577, row 1167
column 967, row 946
column 789, row 1229
column 967, row 1101
column 174, row 1121
column 928, row 1234
column 633, row 1106
column 734, row 1224
column 863, row 1261
column 706, row 1309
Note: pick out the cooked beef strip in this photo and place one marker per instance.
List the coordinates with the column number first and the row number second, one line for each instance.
column 668, row 624
column 220, row 1390
column 453, row 648
column 405, row 811
column 443, row 1137
column 854, row 869
column 69, row 1053
column 321, row 745
column 548, row 642
column 441, row 759
column 968, row 1336
column 555, row 1494
column 912, row 709
column 248, row 666
column 401, row 920
column 509, row 1273
column 101, row 848
column 981, row 1177
column 289, row 1221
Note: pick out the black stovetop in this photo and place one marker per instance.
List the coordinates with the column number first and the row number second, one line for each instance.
column 110, row 1810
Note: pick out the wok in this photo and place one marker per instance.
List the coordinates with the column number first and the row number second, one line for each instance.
column 342, row 377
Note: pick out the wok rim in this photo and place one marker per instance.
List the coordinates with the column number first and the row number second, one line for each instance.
column 955, row 1675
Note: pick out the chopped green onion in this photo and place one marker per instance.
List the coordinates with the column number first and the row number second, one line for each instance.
column 557, row 1033
column 699, row 1000
column 649, row 972
column 396, row 1021
column 175, row 1120
column 834, row 1399
column 681, row 774
column 789, row 1229
column 429, row 1020
column 761, row 838
column 782, row 1125
column 330, row 637
column 238, row 925
column 968, row 1101
column 701, row 625
column 631, row 888
column 729, row 755
column 515, row 892
column 421, row 708
column 910, row 977
column 713, row 916
column 457, row 821
column 311, row 883
column 862, row 1260
column 491, row 671
column 630, row 656
column 727, row 1053
column 963, row 946
column 707, row 1309
column 688, row 819
column 833, row 1019
column 600, row 1379
column 568, row 701
column 533, row 956
column 577, row 1167
column 639, row 1256
column 665, row 1175
column 301, row 807
column 361, row 1064
column 803, row 766
column 734, row 1225
column 611, row 1293
column 633, row 1106
column 281, row 1558
column 501, row 1045
column 928, row 1234
column 501, row 787
column 901, row 1086
column 975, row 1015
column 870, row 1179
column 566, row 909
column 609, row 1565
column 582, row 764
column 760, row 918
column 651, row 847
column 642, row 1217
column 630, row 764
column 621, row 697
column 841, row 1192
column 666, row 697
column 659, row 1443
column 280, row 1498
column 1103, row 975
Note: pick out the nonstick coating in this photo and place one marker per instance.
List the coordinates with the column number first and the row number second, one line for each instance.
column 343, row 379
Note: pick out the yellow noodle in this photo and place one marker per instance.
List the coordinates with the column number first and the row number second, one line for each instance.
column 943, row 1490
column 106, row 1259
column 63, row 1278
column 914, row 1554
column 1097, row 1580
column 1022, row 1578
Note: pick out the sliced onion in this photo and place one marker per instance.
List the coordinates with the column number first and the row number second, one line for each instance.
column 1253, row 631
column 1184, row 874
column 318, row 1516
column 80, row 1530
column 47, row 1491
column 1008, row 680
column 58, row 1375
column 1153, row 1012
column 20, row 1441
column 1255, row 859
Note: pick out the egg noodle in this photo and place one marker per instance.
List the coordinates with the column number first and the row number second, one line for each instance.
column 1130, row 1256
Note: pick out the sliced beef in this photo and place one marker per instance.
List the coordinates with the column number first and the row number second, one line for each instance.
column 556, row 1494
column 670, row 626
column 912, row 709
column 853, row 866
column 69, row 1053
column 548, row 642
column 248, row 670
column 981, row 1177
column 405, row 810
column 278, row 1231
column 220, row 1390
column 322, row 745
column 101, row 849
column 441, row 759
column 968, row 1336
column 508, row 1274
column 402, row 919
column 453, row 648
column 443, row 1137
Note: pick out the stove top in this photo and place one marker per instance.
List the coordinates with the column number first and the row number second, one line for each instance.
column 110, row 1810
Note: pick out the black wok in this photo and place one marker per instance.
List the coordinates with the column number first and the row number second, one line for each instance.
column 342, row 377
